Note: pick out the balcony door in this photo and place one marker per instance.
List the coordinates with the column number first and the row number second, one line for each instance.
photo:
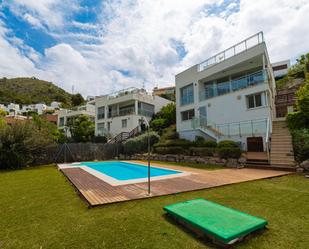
column 203, row 115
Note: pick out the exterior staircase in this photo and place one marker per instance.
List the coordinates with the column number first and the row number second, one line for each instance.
column 123, row 136
column 281, row 146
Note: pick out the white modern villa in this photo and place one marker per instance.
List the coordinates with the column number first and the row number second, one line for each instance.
column 125, row 110
column 229, row 96
column 65, row 114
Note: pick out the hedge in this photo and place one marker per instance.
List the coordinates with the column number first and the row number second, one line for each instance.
column 176, row 142
column 171, row 150
column 140, row 144
column 301, row 144
column 228, row 143
column 229, row 152
column 202, row 151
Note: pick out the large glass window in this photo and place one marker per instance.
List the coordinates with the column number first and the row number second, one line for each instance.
column 101, row 112
column 187, row 115
column 101, row 129
column 145, row 109
column 61, row 121
column 256, row 100
column 186, row 95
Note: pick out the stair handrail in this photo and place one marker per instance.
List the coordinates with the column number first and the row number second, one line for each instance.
column 267, row 139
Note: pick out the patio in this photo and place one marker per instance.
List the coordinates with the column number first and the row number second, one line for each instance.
column 97, row 192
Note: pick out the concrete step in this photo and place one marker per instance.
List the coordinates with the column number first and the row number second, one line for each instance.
column 282, row 162
column 272, row 167
column 277, row 142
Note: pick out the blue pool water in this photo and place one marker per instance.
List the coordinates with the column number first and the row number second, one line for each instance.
column 127, row 171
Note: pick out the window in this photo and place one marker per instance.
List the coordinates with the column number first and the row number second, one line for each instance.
column 186, row 95
column 187, row 115
column 256, row 100
column 101, row 129
column 124, row 123
column 101, row 112
column 61, row 121
column 145, row 109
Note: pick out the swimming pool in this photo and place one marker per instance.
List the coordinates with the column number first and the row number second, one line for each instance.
column 127, row 171
column 119, row 172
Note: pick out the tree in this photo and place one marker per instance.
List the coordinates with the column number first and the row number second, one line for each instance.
column 81, row 128
column 3, row 113
column 20, row 142
column 164, row 118
column 77, row 99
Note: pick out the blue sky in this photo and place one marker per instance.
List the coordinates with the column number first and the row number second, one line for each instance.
column 100, row 46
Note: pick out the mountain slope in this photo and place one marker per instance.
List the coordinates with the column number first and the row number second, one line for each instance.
column 31, row 91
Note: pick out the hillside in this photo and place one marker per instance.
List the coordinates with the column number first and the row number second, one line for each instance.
column 31, row 91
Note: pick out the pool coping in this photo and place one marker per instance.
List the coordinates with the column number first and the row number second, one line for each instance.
column 114, row 182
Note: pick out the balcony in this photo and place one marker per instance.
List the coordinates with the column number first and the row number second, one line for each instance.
column 222, row 88
column 122, row 112
column 232, row 51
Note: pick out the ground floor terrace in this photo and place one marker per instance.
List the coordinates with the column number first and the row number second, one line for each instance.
column 98, row 189
column 39, row 209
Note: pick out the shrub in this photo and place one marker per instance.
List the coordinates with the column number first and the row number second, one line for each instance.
column 169, row 133
column 295, row 120
column 20, row 143
column 199, row 140
column 158, row 124
column 228, row 143
column 229, row 152
column 302, row 102
column 183, row 143
column 100, row 139
column 171, row 150
column 301, row 144
column 140, row 144
column 210, row 144
column 202, row 151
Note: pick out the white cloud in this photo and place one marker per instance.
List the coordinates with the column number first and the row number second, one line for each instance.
column 138, row 39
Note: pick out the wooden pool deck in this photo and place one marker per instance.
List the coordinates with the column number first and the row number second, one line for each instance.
column 97, row 192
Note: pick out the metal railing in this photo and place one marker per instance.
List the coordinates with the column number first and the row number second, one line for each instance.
column 232, row 51
column 249, row 127
column 267, row 139
column 245, row 81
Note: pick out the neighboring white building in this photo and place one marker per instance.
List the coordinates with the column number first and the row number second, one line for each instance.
column 64, row 114
column 124, row 110
column 228, row 96
column 281, row 68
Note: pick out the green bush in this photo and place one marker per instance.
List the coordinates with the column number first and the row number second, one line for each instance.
column 210, row 144
column 100, row 139
column 229, row 152
column 302, row 102
column 183, row 143
column 202, row 151
column 199, row 140
column 164, row 118
column 20, row 143
column 158, row 124
column 228, row 143
column 301, row 144
column 140, row 144
column 295, row 120
column 171, row 150
column 169, row 133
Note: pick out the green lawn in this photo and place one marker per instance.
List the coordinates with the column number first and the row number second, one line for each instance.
column 39, row 209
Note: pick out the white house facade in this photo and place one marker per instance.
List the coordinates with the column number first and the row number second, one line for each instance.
column 229, row 96
column 125, row 110
column 65, row 114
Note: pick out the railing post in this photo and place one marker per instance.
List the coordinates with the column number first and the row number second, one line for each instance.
column 252, row 127
column 239, row 129
column 228, row 129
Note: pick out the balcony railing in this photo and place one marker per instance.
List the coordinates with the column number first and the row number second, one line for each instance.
column 122, row 112
column 250, row 127
column 222, row 88
column 232, row 51
column 145, row 113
